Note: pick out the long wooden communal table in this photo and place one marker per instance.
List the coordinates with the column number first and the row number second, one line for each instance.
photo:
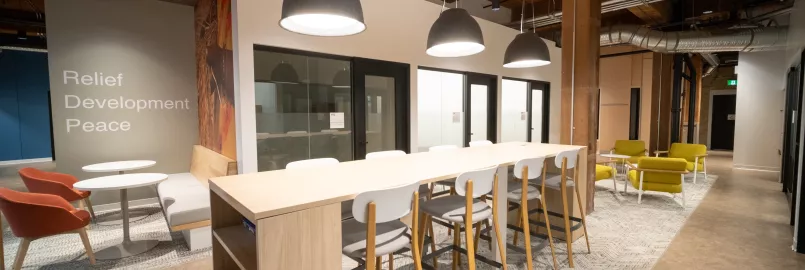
column 297, row 213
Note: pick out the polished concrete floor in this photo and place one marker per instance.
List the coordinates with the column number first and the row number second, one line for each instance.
column 742, row 223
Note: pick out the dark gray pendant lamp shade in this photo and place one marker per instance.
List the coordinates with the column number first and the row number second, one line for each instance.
column 284, row 73
column 526, row 50
column 455, row 33
column 323, row 17
column 341, row 79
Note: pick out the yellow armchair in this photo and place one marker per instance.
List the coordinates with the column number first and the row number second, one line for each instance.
column 604, row 172
column 634, row 148
column 658, row 174
column 694, row 154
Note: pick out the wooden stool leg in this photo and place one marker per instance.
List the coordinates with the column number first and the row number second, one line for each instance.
column 550, row 237
column 519, row 224
column 500, row 240
column 456, row 242
column 378, row 263
column 477, row 235
column 433, row 243
column 581, row 209
column 21, row 253
column 568, row 234
column 391, row 261
column 89, row 207
column 85, row 239
column 468, row 227
column 452, row 192
column 486, row 224
column 526, row 234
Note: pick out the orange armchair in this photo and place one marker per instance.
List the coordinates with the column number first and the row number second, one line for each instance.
column 58, row 184
column 32, row 216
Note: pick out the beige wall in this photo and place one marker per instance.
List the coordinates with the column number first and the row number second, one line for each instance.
column 618, row 75
column 396, row 31
column 759, row 118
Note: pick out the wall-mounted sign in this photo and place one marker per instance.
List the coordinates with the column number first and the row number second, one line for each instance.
column 336, row 120
column 732, row 82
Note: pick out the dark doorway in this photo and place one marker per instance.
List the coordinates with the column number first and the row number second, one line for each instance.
column 722, row 123
column 480, row 103
column 381, row 95
column 634, row 114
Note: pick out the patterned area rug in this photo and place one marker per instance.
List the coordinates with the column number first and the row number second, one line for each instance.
column 67, row 252
column 623, row 234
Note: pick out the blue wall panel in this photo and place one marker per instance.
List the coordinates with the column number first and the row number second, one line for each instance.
column 24, row 109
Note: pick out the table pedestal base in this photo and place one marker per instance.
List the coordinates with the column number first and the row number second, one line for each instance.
column 125, row 249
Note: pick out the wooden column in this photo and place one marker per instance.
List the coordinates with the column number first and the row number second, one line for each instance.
column 659, row 138
column 581, row 23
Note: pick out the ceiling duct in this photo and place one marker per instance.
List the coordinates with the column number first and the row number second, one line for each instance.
column 713, row 61
column 608, row 6
column 699, row 41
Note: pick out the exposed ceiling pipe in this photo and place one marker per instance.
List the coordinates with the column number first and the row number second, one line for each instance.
column 713, row 61
column 700, row 41
column 608, row 6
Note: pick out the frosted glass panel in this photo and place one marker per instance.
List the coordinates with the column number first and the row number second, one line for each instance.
column 514, row 111
column 380, row 124
column 536, row 115
column 479, row 109
column 440, row 110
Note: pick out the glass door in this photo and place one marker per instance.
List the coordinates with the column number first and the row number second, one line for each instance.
column 381, row 94
column 538, row 112
column 526, row 110
column 480, row 105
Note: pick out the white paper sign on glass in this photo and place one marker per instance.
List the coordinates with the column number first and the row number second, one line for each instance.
column 336, row 120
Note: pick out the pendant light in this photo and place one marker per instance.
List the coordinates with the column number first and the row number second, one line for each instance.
column 341, row 79
column 284, row 73
column 455, row 33
column 323, row 17
column 527, row 49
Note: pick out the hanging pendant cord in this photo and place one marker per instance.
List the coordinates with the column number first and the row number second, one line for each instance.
column 522, row 17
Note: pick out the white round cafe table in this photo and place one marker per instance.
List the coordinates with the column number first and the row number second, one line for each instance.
column 123, row 182
column 119, row 166
column 615, row 156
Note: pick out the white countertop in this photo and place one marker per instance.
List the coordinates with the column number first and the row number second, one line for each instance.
column 122, row 181
column 271, row 193
column 117, row 166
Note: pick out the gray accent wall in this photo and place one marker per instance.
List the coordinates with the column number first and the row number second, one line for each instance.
column 123, row 86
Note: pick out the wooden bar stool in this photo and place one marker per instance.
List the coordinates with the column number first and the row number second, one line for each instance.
column 519, row 195
column 424, row 193
column 465, row 208
column 377, row 231
column 564, row 160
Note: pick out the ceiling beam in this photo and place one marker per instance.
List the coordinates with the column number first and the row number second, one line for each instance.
column 656, row 13
column 191, row 3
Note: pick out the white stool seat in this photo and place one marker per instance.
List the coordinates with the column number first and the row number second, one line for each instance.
column 554, row 181
column 515, row 192
column 449, row 183
column 453, row 208
column 391, row 236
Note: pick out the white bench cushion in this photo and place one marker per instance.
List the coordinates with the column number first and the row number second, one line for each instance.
column 184, row 199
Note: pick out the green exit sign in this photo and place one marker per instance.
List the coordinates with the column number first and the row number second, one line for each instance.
column 732, row 82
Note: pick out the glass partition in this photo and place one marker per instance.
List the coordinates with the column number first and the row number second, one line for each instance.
column 514, row 113
column 440, row 108
column 303, row 108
